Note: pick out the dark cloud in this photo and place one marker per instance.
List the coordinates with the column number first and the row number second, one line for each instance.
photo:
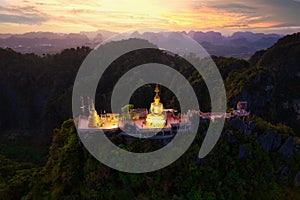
column 21, row 15
column 282, row 12
column 5, row 18
column 19, row 10
column 235, row 7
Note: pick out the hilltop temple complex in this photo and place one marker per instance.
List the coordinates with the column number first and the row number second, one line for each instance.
column 158, row 122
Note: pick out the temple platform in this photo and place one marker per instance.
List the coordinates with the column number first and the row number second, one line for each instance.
column 106, row 126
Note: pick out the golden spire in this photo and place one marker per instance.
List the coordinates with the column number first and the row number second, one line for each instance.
column 156, row 95
column 156, row 89
column 94, row 119
column 93, row 107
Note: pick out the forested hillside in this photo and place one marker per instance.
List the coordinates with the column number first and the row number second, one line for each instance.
column 261, row 161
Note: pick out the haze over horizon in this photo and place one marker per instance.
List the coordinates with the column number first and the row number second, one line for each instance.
column 267, row 16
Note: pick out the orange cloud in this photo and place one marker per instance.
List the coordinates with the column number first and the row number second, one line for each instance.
column 120, row 15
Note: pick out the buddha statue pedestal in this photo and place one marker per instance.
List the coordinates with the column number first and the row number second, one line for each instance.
column 153, row 121
column 156, row 119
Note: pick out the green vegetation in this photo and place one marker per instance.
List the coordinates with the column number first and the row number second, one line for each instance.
column 72, row 173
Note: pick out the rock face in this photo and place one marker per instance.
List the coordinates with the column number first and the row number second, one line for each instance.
column 238, row 124
column 229, row 137
column 251, row 124
column 270, row 85
column 285, row 171
column 241, row 125
column 287, row 149
column 297, row 180
column 270, row 140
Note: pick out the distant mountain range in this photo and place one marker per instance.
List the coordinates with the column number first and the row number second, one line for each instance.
column 238, row 45
column 49, row 42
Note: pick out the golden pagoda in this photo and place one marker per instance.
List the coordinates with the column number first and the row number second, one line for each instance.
column 156, row 119
column 94, row 119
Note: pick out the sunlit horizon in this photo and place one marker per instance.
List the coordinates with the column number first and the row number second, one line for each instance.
column 225, row 16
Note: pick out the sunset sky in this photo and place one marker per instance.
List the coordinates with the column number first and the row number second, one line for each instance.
column 278, row 16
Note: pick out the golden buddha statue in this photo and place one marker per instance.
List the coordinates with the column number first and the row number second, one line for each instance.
column 156, row 119
column 94, row 119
